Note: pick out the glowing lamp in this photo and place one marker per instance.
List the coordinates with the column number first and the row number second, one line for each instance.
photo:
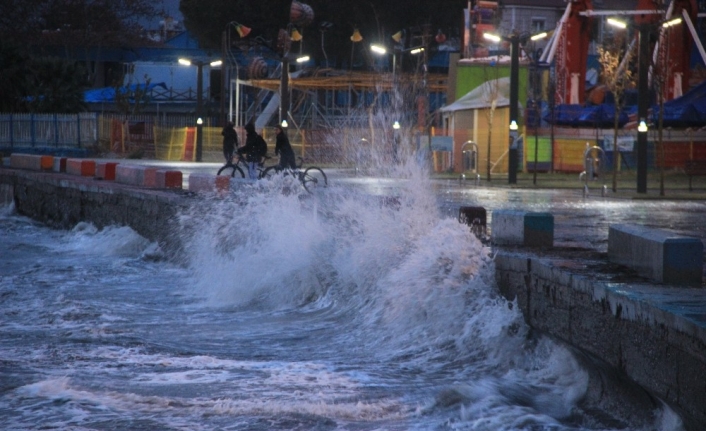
column 642, row 127
column 356, row 37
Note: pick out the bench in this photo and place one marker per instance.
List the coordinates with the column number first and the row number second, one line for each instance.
column 694, row 168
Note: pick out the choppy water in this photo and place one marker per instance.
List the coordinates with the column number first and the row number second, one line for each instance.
column 336, row 311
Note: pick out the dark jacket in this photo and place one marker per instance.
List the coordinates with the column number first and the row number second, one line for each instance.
column 284, row 149
column 255, row 146
column 230, row 138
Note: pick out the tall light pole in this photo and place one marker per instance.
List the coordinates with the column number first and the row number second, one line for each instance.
column 515, row 40
column 199, row 99
column 284, row 89
column 643, row 101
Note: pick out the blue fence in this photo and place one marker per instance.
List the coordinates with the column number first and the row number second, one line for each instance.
column 58, row 134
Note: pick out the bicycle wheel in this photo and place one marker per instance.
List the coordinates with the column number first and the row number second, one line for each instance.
column 268, row 173
column 314, row 178
column 231, row 170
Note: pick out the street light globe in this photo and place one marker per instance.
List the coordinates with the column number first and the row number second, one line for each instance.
column 642, row 127
column 617, row 23
column 492, row 37
column 199, row 121
column 672, row 22
column 396, row 125
column 377, row 49
column 284, row 123
column 513, row 125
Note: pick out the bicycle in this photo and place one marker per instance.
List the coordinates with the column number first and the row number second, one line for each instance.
column 311, row 178
column 239, row 168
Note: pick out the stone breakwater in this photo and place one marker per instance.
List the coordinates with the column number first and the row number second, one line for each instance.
column 62, row 192
column 62, row 201
column 653, row 334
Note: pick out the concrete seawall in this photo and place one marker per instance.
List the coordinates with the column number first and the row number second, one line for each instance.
column 62, row 200
column 653, row 334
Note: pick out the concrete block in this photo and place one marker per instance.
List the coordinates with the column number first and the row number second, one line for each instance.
column 46, row 162
column 81, row 167
column 209, row 183
column 59, row 164
column 133, row 175
column 149, row 178
column 32, row 162
column 238, row 183
column 21, row 161
column 475, row 217
column 106, row 170
column 529, row 229
column 169, row 179
column 661, row 255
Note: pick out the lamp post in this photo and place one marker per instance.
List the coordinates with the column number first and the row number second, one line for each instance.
column 395, row 140
column 199, row 98
column 515, row 39
column 642, row 106
column 199, row 138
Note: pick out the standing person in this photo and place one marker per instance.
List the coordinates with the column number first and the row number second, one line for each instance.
column 230, row 141
column 284, row 149
column 255, row 149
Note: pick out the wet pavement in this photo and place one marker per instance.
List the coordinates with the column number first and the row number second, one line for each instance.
column 579, row 220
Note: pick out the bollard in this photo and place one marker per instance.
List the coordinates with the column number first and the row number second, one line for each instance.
column 661, row 255
column 529, row 229
column 475, row 218
column 106, row 170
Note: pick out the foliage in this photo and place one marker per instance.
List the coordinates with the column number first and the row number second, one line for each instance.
column 39, row 84
column 55, row 85
column 131, row 99
column 13, row 64
column 74, row 23
column 617, row 77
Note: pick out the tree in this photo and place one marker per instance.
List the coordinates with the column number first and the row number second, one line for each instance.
column 617, row 77
column 13, row 65
column 39, row 84
column 75, row 29
column 55, row 85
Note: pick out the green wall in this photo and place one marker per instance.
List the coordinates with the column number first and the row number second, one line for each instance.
column 470, row 76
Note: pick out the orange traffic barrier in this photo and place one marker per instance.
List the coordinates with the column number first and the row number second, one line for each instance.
column 81, row 167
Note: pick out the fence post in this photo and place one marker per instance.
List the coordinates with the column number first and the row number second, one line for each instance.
column 56, row 130
column 12, row 132
column 78, row 128
column 32, row 128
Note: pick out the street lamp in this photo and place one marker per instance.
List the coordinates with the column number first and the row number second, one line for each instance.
column 381, row 50
column 515, row 40
column 199, row 98
column 284, row 85
column 199, row 138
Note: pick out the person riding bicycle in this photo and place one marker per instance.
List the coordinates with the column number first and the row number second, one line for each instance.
column 255, row 149
column 284, row 149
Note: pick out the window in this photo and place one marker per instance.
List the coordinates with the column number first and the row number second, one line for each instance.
column 537, row 25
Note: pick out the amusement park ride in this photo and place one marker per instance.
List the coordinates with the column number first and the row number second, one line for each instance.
column 568, row 47
column 569, row 44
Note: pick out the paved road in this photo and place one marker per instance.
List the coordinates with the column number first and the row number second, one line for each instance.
column 579, row 221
